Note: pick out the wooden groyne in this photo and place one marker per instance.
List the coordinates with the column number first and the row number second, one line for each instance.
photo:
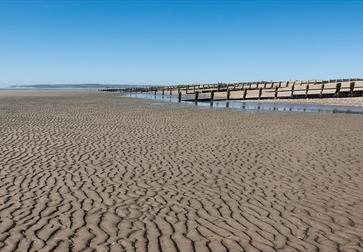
column 308, row 89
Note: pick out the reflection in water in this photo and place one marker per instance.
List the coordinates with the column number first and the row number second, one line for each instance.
column 251, row 105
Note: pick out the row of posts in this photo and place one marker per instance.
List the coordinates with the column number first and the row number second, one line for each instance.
column 260, row 90
column 337, row 92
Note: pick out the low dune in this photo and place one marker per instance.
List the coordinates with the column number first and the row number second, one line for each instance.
column 96, row 172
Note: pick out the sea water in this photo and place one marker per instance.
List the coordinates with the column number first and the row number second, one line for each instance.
column 253, row 105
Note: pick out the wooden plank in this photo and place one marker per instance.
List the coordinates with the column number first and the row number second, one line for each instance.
column 228, row 94
column 337, row 89
column 322, row 90
column 351, row 91
column 306, row 90
column 244, row 94
column 259, row 93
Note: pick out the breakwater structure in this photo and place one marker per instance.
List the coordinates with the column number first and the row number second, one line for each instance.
column 297, row 89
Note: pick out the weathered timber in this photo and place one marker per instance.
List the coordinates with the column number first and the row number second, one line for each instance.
column 196, row 94
column 306, row 90
column 337, row 89
column 244, row 94
column 322, row 90
column 351, row 88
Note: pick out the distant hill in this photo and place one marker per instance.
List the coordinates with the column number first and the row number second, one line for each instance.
column 61, row 86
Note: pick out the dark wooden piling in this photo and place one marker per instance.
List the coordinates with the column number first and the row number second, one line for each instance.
column 228, row 94
column 244, row 94
column 351, row 89
column 292, row 91
column 306, row 90
column 196, row 96
column 337, row 89
column 276, row 92
column 322, row 90
column 179, row 96
column 163, row 91
column 212, row 96
column 259, row 93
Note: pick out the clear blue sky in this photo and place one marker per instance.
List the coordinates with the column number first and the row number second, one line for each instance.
column 161, row 42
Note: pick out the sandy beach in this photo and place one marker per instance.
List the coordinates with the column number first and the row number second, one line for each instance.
column 96, row 172
column 351, row 101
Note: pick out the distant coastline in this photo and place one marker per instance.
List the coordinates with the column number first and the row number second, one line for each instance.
column 71, row 86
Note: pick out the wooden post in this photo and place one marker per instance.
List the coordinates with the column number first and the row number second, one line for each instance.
column 179, row 96
column 352, row 84
column 211, row 96
column 276, row 92
column 170, row 91
column 155, row 91
column 196, row 97
column 287, row 83
column 163, row 92
column 337, row 89
column 244, row 94
column 306, row 90
column 264, row 85
column 292, row 90
column 322, row 90
column 259, row 93
column 280, row 84
column 228, row 94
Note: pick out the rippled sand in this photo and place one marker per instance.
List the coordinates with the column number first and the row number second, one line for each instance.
column 351, row 101
column 94, row 172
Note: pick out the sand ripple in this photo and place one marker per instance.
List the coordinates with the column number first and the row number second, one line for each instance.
column 90, row 172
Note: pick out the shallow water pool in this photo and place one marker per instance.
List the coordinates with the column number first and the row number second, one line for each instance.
column 252, row 105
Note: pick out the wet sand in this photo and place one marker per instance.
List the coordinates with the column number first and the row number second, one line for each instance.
column 351, row 101
column 95, row 172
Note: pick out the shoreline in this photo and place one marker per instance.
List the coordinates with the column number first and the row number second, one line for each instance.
column 352, row 101
column 291, row 105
